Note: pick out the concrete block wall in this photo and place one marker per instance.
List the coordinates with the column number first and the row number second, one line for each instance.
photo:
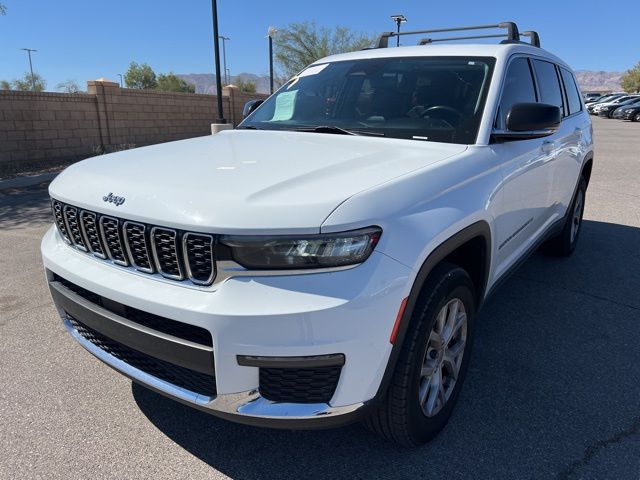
column 41, row 129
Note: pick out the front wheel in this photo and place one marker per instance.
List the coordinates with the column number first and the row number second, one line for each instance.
column 636, row 118
column 432, row 363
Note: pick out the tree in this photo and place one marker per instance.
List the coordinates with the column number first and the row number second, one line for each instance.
column 140, row 76
column 4, row 85
column 246, row 86
column 3, row 9
column 300, row 44
column 27, row 83
column 172, row 83
column 631, row 79
column 68, row 86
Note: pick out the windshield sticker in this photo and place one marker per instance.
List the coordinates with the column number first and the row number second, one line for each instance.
column 313, row 70
column 285, row 103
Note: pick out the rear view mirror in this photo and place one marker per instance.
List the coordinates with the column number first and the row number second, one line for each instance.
column 529, row 120
column 250, row 107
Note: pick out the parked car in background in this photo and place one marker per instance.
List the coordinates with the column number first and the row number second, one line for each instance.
column 590, row 97
column 604, row 98
column 606, row 111
column 628, row 112
column 595, row 109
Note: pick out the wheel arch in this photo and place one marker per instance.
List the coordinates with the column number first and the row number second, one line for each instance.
column 587, row 167
column 456, row 249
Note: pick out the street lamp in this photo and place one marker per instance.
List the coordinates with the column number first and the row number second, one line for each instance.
column 33, row 80
column 398, row 19
column 272, row 33
column 224, row 57
column 216, row 48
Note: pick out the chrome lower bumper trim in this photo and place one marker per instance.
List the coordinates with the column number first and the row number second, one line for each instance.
column 248, row 404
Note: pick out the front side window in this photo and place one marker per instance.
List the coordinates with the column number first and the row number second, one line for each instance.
column 548, row 83
column 438, row 99
column 518, row 88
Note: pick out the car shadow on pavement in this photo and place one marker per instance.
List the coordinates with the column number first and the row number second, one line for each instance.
column 552, row 390
column 25, row 206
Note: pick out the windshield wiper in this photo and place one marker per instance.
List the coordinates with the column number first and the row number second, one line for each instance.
column 338, row 130
column 248, row 127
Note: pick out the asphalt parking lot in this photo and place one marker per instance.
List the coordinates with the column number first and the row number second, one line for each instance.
column 553, row 390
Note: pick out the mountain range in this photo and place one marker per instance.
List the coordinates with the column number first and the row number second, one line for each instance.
column 589, row 81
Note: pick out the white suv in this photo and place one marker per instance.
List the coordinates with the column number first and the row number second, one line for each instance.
column 325, row 261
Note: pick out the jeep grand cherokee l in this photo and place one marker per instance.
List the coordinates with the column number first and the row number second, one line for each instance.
column 325, row 261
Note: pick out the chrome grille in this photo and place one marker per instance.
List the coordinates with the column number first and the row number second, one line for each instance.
column 110, row 230
column 89, row 226
column 165, row 250
column 137, row 248
column 56, row 208
column 155, row 250
column 73, row 227
column 198, row 251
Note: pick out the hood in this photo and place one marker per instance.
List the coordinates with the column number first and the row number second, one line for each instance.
column 242, row 181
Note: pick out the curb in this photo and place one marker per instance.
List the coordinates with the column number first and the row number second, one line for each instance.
column 27, row 181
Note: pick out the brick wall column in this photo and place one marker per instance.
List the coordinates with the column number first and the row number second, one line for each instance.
column 105, row 92
column 230, row 94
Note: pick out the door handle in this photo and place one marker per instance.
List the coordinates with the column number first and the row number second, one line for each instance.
column 548, row 146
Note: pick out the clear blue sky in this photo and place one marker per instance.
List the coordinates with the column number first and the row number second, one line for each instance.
column 81, row 40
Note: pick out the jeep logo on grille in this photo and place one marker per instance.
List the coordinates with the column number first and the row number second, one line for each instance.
column 111, row 198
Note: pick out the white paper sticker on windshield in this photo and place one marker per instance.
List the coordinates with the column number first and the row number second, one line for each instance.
column 285, row 103
column 313, row 70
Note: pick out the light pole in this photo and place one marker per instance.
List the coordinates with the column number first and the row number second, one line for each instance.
column 121, row 83
column 398, row 19
column 224, row 57
column 272, row 33
column 33, row 80
column 216, row 48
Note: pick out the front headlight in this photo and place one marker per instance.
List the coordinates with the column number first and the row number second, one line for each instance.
column 308, row 251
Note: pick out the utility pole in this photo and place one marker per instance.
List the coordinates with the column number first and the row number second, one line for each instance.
column 399, row 19
column 216, row 48
column 121, row 83
column 224, row 57
column 272, row 33
column 33, row 80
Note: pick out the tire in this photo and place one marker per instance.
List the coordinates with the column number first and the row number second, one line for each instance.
column 401, row 417
column 565, row 242
column 636, row 117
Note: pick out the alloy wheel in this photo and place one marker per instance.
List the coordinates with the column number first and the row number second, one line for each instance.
column 443, row 357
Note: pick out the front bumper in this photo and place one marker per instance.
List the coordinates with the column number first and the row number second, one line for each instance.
column 350, row 313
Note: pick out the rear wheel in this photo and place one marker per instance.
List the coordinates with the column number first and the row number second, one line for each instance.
column 432, row 363
column 565, row 243
column 636, row 117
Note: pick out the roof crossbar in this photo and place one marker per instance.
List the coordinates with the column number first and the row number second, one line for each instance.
column 512, row 34
column 426, row 41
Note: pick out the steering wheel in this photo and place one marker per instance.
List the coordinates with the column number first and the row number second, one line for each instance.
column 443, row 112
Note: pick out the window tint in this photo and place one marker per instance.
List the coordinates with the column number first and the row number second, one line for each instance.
column 548, row 83
column 573, row 97
column 518, row 88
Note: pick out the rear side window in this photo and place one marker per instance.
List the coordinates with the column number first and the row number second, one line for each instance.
column 573, row 95
column 548, row 83
column 518, row 88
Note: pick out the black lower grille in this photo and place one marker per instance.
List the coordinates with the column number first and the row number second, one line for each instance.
column 299, row 385
column 165, row 325
column 182, row 377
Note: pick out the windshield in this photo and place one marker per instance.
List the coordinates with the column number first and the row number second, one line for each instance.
column 438, row 99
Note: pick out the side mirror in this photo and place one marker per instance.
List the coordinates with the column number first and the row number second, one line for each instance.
column 250, row 107
column 529, row 120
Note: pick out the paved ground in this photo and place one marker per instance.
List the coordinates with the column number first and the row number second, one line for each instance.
column 553, row 391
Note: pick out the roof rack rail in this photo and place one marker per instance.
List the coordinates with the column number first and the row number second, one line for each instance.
column 512, row 34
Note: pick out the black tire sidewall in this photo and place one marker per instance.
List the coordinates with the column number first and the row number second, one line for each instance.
column 457, row 284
